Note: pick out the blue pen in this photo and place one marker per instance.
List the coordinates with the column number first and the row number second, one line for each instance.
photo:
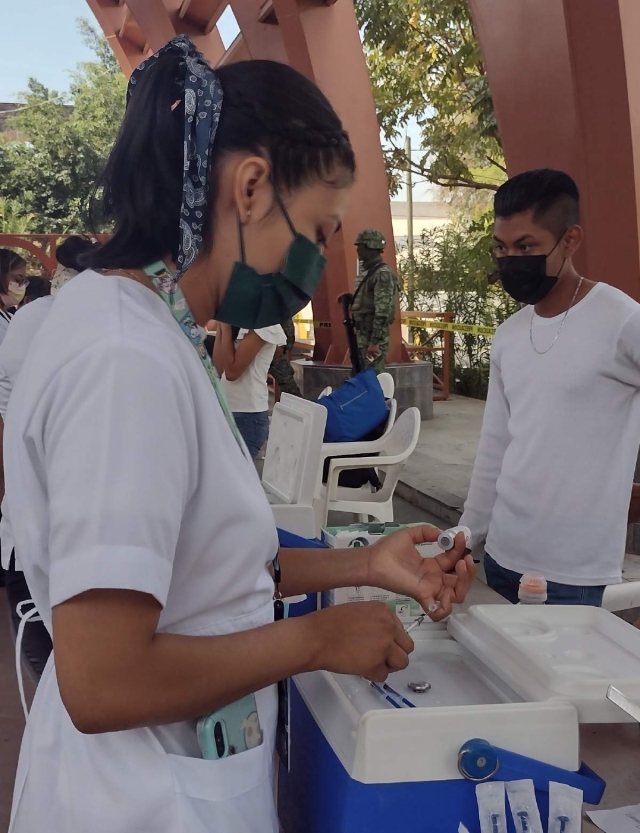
column 396, row 694
column 384, row 695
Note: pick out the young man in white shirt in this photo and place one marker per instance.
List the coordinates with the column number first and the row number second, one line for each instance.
column 554, row 472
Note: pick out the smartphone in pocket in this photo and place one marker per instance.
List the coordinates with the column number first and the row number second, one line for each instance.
column 230, row 730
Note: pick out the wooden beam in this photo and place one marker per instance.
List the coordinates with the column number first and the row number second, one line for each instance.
column 215, row 17
column 184, row 8
column 153, row 19
column 266, row 13
column 125, row 20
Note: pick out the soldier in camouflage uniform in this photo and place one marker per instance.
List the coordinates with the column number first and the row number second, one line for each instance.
column 281, row 369
column 374, row 300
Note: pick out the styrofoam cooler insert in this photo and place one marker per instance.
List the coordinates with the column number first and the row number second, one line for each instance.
column 377, row 743
column 456, row 677
column 543, row 652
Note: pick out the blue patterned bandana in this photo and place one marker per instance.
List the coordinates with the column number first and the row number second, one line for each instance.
column 202, row 106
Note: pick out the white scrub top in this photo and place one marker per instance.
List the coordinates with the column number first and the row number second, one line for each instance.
column 13, row 350
column 249, row 393
column 123, row 473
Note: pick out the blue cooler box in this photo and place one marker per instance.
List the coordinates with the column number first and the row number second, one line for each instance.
column 509, row 686
column 319, row 795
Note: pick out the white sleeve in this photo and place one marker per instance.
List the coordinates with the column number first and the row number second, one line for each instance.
column 627, row 354
column 272, row 335
column 119, row 453
column 494, row 440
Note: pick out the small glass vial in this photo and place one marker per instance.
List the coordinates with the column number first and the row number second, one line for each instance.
column 532, row 590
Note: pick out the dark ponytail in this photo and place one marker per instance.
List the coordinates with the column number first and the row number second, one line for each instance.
column 269, row 110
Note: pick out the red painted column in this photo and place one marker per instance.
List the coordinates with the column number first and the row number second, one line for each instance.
column 565, row 80
column 330, row 38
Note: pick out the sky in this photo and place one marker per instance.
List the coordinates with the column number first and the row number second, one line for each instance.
column 41, row 40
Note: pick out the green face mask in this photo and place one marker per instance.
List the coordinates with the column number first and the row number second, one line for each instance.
column 254, row 300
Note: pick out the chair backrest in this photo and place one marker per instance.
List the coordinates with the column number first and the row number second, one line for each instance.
column 399, row 442
column 294, row 449
column 326, row 391
column 393, row 410
column 387, row 384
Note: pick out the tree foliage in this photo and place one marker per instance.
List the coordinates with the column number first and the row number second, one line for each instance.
column 51, row 174
column 12, row 220
column 452, row 267
column 426, row 67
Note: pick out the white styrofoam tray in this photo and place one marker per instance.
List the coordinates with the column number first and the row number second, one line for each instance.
column 546, row 652
column 377, row 743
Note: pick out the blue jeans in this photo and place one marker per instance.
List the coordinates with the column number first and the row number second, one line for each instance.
column 254, row 428
column 506, row 582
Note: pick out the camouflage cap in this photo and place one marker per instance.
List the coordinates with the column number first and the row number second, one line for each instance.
column 372, row 238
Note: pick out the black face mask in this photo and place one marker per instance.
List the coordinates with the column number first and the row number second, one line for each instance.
column 525, row 278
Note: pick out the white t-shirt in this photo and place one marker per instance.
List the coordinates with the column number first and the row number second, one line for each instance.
column 13, row 350
column 16, row 343
column 122, row 473
column 5, row 320
column 553, row 475
column 249, row 393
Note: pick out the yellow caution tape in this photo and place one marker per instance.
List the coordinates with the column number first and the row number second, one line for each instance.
column 430, row 324
column 425, row 323
column 317, row 324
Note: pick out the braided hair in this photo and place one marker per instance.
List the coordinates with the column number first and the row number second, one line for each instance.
column 269, row 110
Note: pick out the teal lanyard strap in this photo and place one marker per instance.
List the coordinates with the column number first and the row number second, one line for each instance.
column 173, row 296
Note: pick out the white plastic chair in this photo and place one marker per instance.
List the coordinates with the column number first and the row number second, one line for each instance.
column 393, row 449
column 291, row 463
column 622, row 596
column 387, row 384
column 325, row 392
column 340, row 449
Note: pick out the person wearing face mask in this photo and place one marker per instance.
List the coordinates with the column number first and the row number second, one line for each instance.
column 552, row 481
column 143, row 530
column 13, row 284
column 243, row 362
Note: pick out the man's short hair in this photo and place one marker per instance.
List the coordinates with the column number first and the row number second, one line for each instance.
column 552, row 196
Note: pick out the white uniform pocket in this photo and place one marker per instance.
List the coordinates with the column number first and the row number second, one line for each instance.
column 232, row 794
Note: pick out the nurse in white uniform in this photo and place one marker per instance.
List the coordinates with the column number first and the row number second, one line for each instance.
column 139, row 518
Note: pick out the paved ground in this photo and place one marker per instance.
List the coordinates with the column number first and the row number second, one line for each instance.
column 437, row 475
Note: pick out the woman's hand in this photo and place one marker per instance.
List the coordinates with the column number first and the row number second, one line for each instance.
column 364, row 638
column 395, row 564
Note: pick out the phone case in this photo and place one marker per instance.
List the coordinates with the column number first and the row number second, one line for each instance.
column 230, row 730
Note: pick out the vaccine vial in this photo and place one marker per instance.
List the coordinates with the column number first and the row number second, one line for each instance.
column 532, row 590
column 447, row 538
